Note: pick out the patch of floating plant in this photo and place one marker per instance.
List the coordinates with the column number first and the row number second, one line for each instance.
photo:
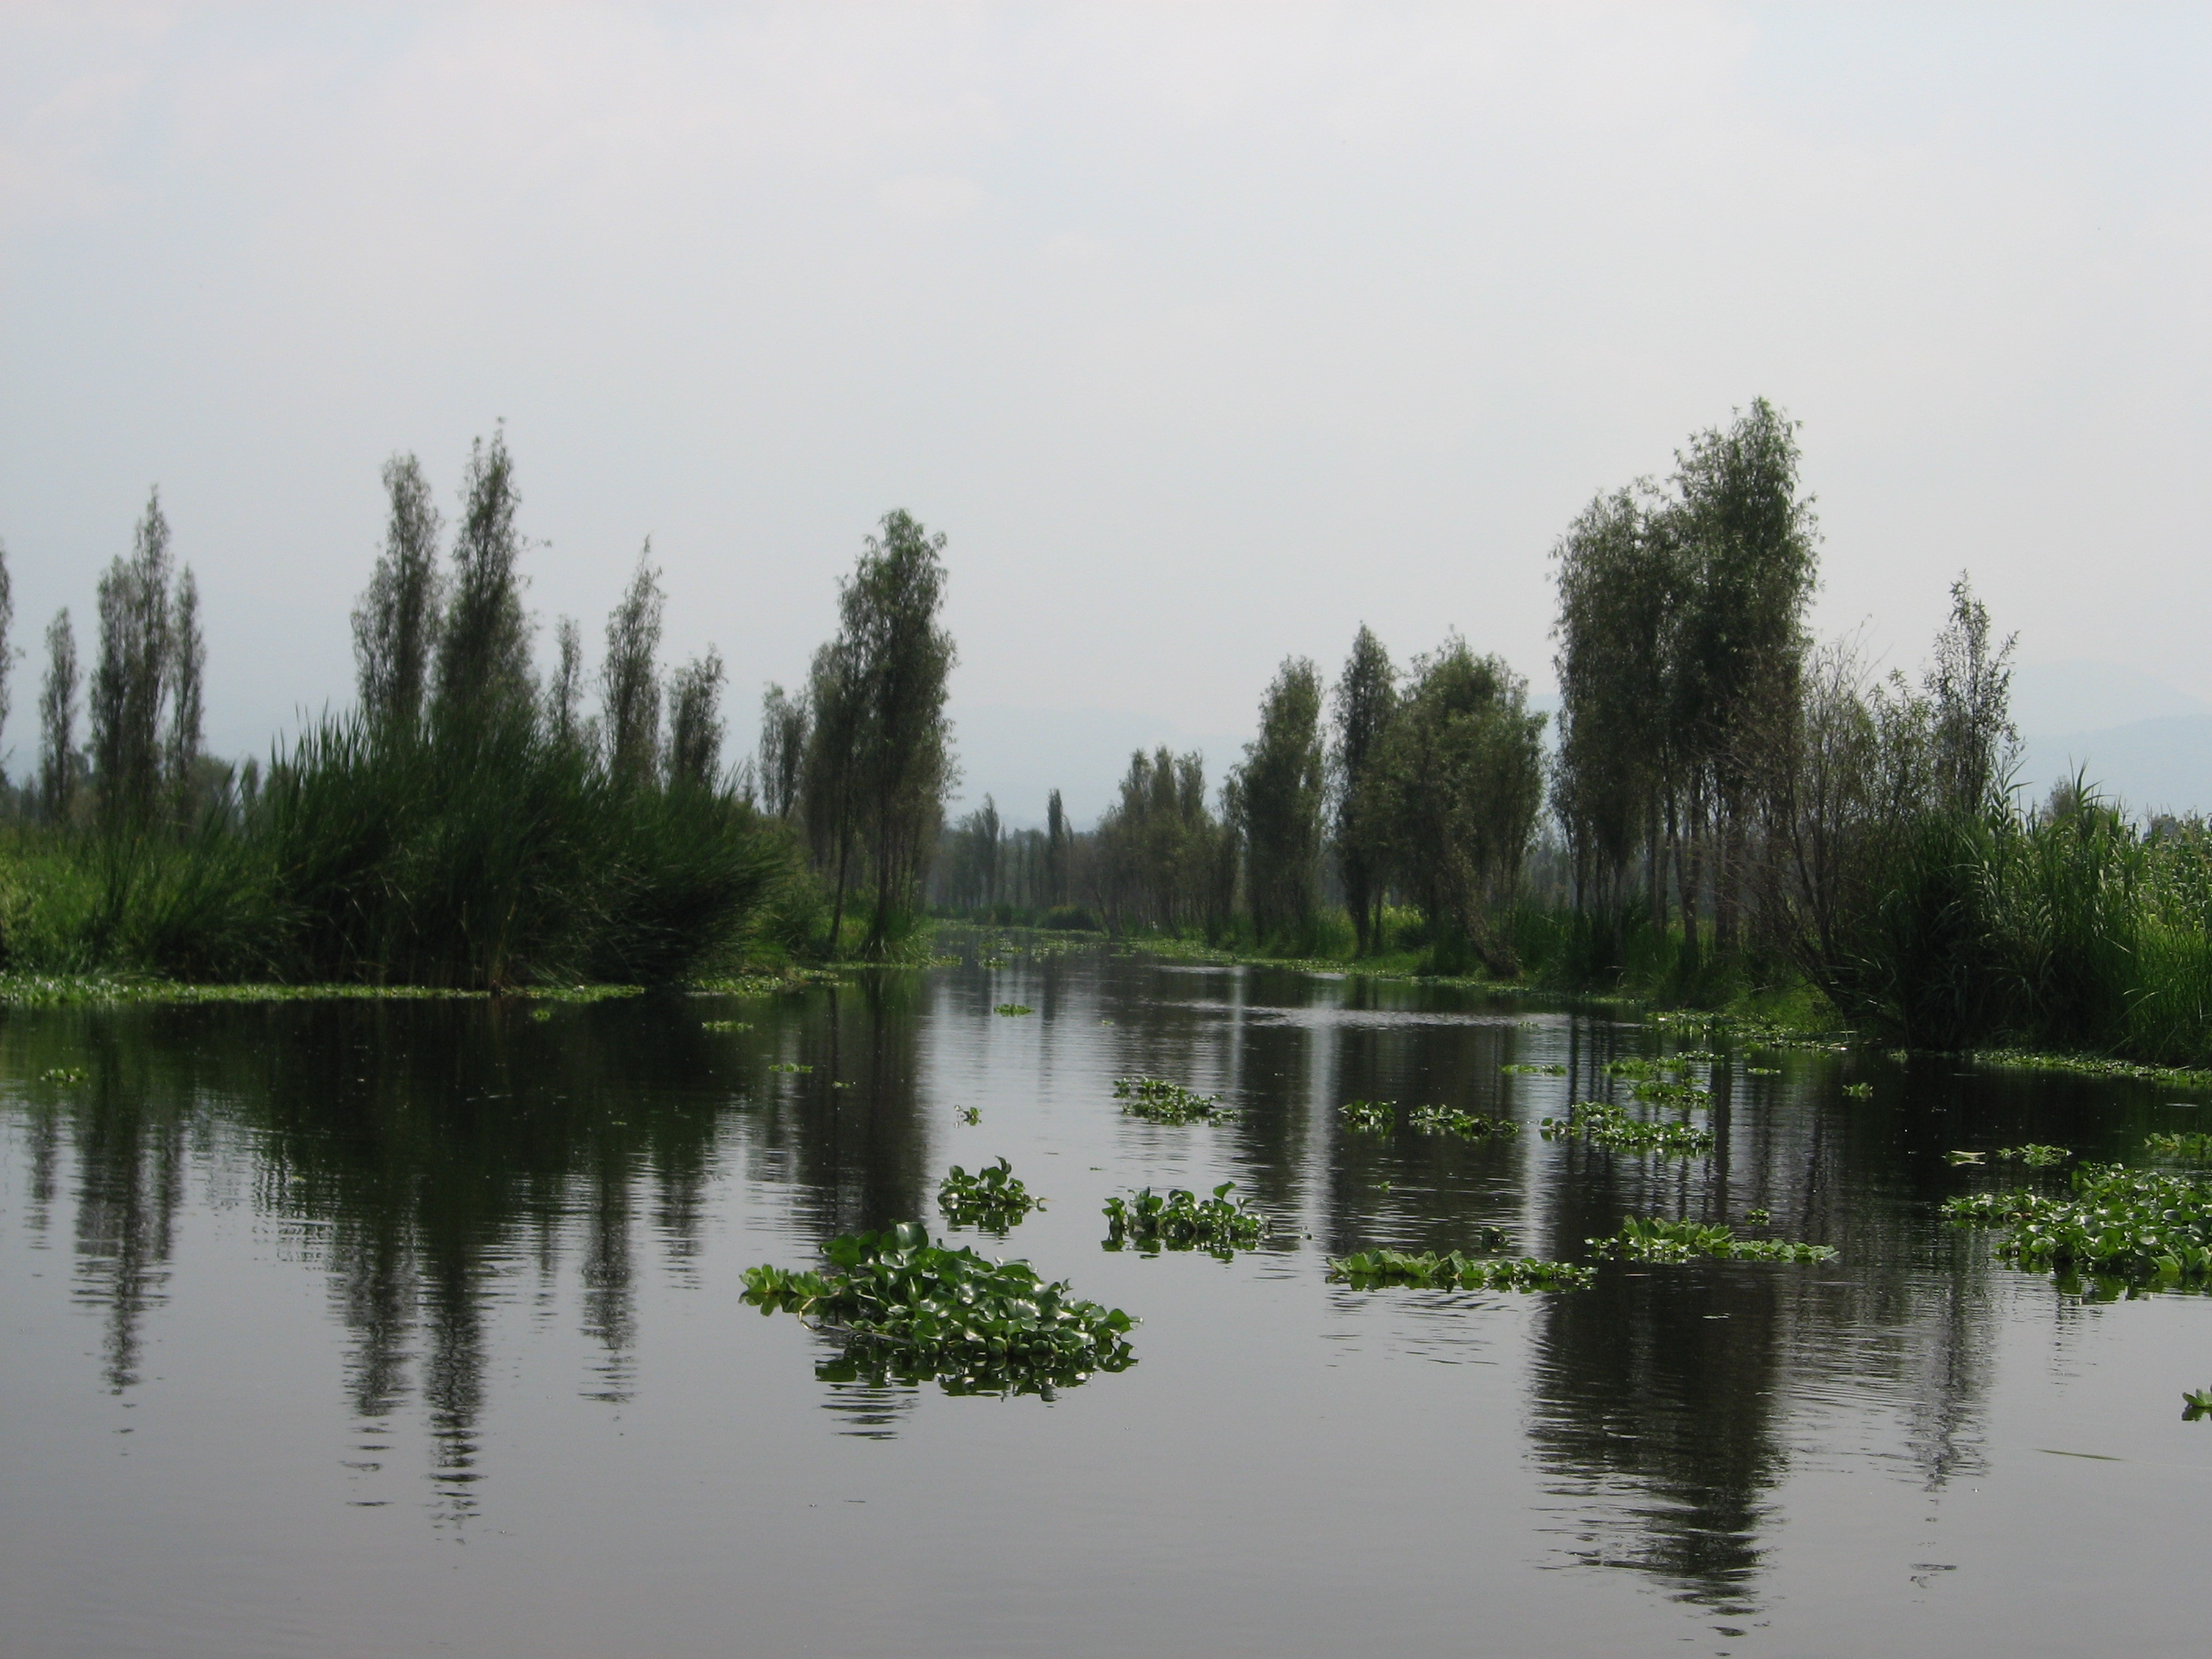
column 1762, row 1071
column 993, row 1198
column 1683, row 1097
column 2195, row 1402
column 1605, row 1124
column 2143, row 1229
column 1369, row 1116
column 790, row 1068
column 1518, row 1070
column 971, row 1114
column 1367, row 1270
column 2192, row 1148
column 1013, row 1009
column 1859, row 1091
column 914, row 1309
column 1758, row 1217
column 1651, row 1239
column 1637, row 1067
column 1751, row 1032
column 2024, row 1059
column 67, row 1076
column 1158, row 1101
column 726, row 1025
column 1181, row 1220
column 541, row 1015
column 2034, row 1154
column 1449, row 1120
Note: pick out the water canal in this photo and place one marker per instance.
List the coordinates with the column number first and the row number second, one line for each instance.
column 374, row 1328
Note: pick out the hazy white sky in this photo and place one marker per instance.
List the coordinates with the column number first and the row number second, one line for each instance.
column 1206, row 331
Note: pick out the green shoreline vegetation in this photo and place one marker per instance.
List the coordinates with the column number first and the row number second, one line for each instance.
column 1726, row 819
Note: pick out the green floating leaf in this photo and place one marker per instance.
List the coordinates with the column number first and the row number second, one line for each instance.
column 1012, row 1009
column 912, row 1309
column 1602, row 1123
column 993, row 1198
column 1180, row 1220
column 1369, row 1116
column 1650, row 1239
column 1367, row 1269
column 1445, row 1119
column 1158, row 1101
column 2143, row 1228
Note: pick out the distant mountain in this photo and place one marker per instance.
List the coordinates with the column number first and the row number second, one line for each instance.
column 2153, row 766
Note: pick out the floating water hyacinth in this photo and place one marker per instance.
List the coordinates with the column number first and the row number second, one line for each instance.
column 1446, row 1120
column 912, row 1309
column 2034, row 1154
column 1605, row 1124
column 1534, row 1071
column 1013, row 1009
column 1368, row 1269
column 725, row 1025
column 2195, row 1402
column 2194, row 1148
column 789, row 1066
column 66, row 1076
column 1158, row 1101
column 1181, row 1220
column 993, row 1198
column 1858, row 1090
column 1650, row 1239
column 1369, row 1116
column 2142, row 1228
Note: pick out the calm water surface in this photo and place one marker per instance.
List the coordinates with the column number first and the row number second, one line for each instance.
column 354, row 1328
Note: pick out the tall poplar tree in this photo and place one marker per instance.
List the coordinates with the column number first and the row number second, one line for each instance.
column 188, row 662
column 695, row 721
column 396, row 620
column 629, row 683
column 1366, row 697
column 483, row 649
column 1282, row 780
column 131, row 675
column 784, row 723
column 58, row 761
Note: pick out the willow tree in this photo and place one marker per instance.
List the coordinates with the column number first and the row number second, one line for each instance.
column 1618, row 580
column 396, row 620
column 629, row 683
column 1463, row 780
column 58, row 693
column 483, row 647
column 1366, row 695
column 1749, row 567
column 902, row 660
column 784, row 723
column 131, row 676
column 187, row 697
column 1281, row 784
column 695, row 721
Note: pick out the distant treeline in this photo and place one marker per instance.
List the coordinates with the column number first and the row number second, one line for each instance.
column 469, row 823
column 1726, row 804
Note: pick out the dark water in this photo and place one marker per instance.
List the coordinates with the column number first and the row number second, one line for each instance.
column 414, row 1327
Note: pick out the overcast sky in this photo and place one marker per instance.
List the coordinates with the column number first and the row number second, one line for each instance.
column 1205, row 333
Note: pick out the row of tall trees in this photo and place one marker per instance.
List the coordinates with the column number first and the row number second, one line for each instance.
column 1682, row 649
column 145, row 770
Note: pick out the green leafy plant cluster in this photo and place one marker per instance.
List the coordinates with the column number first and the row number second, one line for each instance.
column 789, row 1067
column 1651, row 1239
column 1367, row 1269
column 1158, row 1101
column 993, row 1198
column 1369, row 1116
column 2034, row 1154
column 1534, row 1071
column 725, row 1025
column 1636, row 1066
column 1448, row 1120
column 1604, row 1123
column 1180, row 1220
column 1859, row 1091
column 1013, row 1010
column 982, row 1325
column 67, row 1076
column 2194, row 1147
column 2142, row 1228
